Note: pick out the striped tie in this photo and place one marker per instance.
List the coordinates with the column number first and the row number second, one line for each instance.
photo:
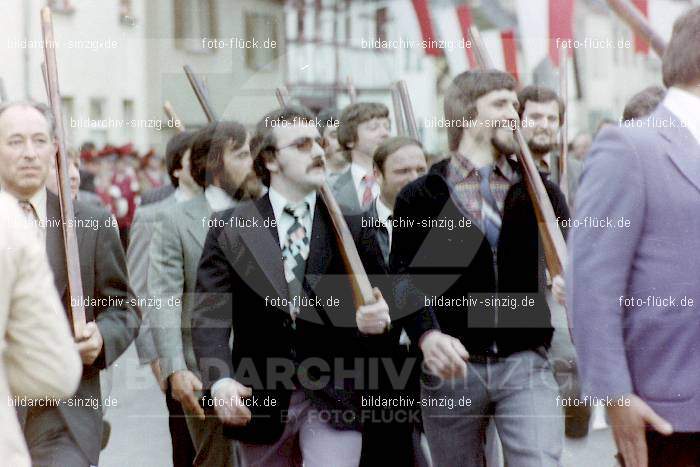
column 490, row 213
column 295, row 252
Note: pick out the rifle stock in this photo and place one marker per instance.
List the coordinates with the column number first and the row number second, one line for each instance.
column 70, row 241
column 408, row 110
column 170, row 112
column 398, row 114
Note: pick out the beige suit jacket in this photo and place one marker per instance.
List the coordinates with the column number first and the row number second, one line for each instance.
column 39, row 357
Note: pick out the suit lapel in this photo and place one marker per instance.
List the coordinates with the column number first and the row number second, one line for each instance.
column 263, row 243
column 347, row 194
column 683, row 149
column 198, row 209
column 321, row 250
column 55, row 246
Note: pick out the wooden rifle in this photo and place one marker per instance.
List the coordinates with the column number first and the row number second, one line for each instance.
column 351, row 91
column 564, row 131
column 75, row 309
column 408, row 110
column 361, row 287
column 170, row 112
column 201, row 93
column 398, row 114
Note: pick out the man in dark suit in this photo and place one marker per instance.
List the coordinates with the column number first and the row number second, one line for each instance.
column 271, row 272
column 69, row 434
column 397, row 162
column 468, row 261
column 363, row 126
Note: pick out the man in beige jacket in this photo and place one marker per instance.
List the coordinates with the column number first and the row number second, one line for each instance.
column 39, row 361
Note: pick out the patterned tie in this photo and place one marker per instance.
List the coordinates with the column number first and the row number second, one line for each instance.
column 295, row 252
column 368, row 196
column 490, row 213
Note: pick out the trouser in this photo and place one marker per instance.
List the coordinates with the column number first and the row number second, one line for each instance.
column 50, row 442
column 676, row 450
column 519, row 392
column 307, row 440
column 183, row 448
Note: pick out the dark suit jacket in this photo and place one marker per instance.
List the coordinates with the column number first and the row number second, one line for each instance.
column 345, row 193
column 103, row 273
column 442, row 255
column 240, row 274
column 157, row 194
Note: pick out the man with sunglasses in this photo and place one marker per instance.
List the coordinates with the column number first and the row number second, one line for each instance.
column 287, row 390
column 220, row 163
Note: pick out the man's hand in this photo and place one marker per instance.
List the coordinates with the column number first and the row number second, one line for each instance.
column 444, row 356
column 374, row 318
column 228, row 402
column 629, row 426
column 89, row 343
column 155, row 368
column 559, row 290
column 183, row 385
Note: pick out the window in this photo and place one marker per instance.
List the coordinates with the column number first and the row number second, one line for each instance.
column 61, row 6
column 126, row 13
column 98, row 127
column 381, row 18
column 301, row 13
column 194, row 20
column 262, row 29
column 68, row 114
column 128, row 114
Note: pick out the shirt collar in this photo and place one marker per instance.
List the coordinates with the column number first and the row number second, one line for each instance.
column 218, row 199
column 684, row 105
column 383, row 211
column 358, row 173
column 278, row 202
column 180, row 195
column 461, row 167
column 38, row 202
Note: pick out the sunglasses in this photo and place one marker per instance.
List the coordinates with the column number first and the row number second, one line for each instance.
column 306, row 144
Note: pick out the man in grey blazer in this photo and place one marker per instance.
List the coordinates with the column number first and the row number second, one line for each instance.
column 70, row 433
column 221, row 164
column 177, row 158
column 634, row 270
column 363, row 127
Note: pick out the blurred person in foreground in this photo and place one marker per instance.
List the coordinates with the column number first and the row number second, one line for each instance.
column 39, row 358
column 634, row 286
column 643, row 103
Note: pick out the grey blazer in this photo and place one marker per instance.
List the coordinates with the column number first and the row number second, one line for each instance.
column 177, row 244
column 646, row 182
column 137, row 261
column 104, row 277
column 345, row 193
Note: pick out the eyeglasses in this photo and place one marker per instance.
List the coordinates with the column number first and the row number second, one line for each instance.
column 306, row 144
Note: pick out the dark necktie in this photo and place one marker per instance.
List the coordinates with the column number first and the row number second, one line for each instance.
column 383, row 240
column 490, row 213
column 295, row 252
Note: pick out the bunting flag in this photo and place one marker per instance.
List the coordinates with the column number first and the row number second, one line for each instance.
column 464, row 15
column 561, row 26
column 510, row 53
column 426, row 27
column 640, row 45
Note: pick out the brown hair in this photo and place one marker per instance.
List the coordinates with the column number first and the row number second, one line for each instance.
column 681, row 59
column 462, row 94
column 264, row 143
column 540, row 94
column 208, row 147
column 390, row 146
column 643, row 103
column 176, row 148
column 353, row 115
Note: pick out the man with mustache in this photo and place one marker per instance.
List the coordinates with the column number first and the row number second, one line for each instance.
column 363, row 127
column 68, row 434
column 221, row 164
column 541, row 115
column 476, row 290
column 272, row 274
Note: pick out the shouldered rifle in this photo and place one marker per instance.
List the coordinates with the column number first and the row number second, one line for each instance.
column 170, row 112
column 639, row 24
column 361, row 287
column 70, row 241
column 201, row 93
column 564, row 131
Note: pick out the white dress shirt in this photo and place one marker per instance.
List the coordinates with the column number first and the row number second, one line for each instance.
column 218, row 199
column 358, row 173
column 284, row 220
column 684, row 106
